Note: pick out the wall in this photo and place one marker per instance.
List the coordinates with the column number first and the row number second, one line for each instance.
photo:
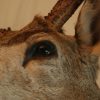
column 18, row 13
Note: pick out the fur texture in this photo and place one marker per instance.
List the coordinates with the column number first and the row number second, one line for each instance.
column 70, row 75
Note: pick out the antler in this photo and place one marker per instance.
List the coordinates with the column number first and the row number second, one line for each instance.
column 62, row 11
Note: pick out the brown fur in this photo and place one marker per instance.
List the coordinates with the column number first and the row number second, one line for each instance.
column 8, row 37
column 69, row 74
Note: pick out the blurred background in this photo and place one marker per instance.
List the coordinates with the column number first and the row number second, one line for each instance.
column 18, row 13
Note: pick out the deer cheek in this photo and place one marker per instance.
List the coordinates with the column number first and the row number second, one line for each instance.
column 43, row 74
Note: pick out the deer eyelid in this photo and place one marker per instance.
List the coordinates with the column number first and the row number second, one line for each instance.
column 43, row 49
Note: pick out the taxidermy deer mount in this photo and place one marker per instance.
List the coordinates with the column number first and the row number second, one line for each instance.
column 40, row 62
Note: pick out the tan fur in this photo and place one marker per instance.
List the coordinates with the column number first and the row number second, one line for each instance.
column 69, row 74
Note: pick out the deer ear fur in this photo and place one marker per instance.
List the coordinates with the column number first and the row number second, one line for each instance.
column 87, row 30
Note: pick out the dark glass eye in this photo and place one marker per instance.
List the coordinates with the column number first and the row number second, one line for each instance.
column 41, row 49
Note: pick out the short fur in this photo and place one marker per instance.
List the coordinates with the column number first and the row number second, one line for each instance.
column 71, row 75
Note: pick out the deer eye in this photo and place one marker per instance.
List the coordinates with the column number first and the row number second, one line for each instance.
column 42, row 49
column 39, row 50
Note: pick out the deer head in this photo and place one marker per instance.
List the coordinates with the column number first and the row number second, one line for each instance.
column 39, row 62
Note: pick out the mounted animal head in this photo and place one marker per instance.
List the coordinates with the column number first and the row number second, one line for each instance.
column 40, row 62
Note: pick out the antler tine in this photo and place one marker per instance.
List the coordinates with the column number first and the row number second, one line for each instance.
column 62, row 11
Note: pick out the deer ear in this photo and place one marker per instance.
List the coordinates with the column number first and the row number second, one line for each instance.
column 87, row 30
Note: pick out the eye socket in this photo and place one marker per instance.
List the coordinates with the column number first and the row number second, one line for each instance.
column 42, row 49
